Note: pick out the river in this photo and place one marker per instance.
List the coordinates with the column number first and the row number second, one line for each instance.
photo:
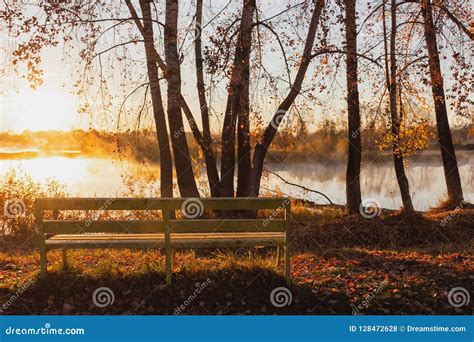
column 86, row 176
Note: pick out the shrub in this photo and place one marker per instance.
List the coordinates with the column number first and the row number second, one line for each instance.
column 18, row 192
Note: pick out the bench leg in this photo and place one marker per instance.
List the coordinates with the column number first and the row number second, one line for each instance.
column 287, row 265
column 278, row 257
column 64, row 257
column 168, row 265
column 43, row 262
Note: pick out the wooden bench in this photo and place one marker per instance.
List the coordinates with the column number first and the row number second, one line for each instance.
column 189, row 232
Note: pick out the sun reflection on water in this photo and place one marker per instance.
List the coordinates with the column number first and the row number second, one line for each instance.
column 83, row 176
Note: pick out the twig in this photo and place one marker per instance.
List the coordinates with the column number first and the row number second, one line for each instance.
column 299, row 186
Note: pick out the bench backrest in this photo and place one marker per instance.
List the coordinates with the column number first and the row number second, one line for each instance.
column 190, row 223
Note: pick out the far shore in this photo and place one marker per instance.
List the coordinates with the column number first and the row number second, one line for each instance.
column 430, row 156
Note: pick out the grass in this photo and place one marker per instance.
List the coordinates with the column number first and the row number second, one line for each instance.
column 340, row 265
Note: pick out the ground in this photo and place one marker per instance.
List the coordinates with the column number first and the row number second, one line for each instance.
column 390, row 264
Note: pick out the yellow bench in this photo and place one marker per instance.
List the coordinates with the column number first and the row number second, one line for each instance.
column 190, row 231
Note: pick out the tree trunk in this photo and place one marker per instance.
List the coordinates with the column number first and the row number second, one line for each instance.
column 450, row 164
column 238, row 109
column 166, row 166
column 184, row 171
column 242, row 101
column 211, row 166
column 353, row 193
column 184, row 106
column 395, row 120
column 228, row 152
column 261, row 148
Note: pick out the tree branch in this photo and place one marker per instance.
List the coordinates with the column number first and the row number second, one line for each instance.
column 323, row 52
column 299, row 186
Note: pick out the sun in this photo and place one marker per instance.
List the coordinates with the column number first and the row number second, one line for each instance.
column 44, row 109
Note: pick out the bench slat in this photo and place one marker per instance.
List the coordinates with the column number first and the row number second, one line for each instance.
column 114, row 236
column 157, row 203
column 241, row 225
column 99, row 203
column 77, row 227
column 177, row 226
column 158, row 241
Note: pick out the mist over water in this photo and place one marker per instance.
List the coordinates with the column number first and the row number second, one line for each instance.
column 92, row 176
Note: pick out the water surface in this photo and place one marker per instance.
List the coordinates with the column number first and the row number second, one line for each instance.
column 85, row 176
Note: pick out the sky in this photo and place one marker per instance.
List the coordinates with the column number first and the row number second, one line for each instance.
column 50, row 107
column 53, row 106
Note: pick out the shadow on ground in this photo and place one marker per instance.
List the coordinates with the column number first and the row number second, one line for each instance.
column 223, row 291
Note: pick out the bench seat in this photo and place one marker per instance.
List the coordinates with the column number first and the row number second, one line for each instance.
column 191, row 240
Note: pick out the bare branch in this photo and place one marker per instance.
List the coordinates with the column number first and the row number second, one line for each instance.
column 299, row 186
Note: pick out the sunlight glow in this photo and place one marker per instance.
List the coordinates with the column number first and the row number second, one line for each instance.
column 42, row 169
column 40, row 110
